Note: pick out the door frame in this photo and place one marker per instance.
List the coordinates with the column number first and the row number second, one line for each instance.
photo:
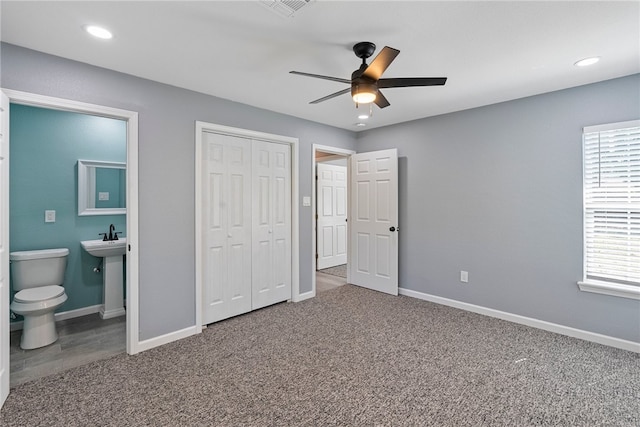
column 295, row 223
column 132, row 259
column 342, row 152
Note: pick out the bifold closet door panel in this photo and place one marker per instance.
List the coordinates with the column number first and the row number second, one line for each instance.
column 227, row 225
column 271, row 261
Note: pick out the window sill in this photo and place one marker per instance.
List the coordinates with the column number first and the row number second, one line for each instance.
column 613, row 289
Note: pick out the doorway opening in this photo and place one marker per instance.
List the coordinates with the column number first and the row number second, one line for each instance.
column 372, row 210
column 330, row 205
column 126, row 327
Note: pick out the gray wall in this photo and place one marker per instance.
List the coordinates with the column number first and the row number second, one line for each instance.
column 497, row 191
column 167, row 118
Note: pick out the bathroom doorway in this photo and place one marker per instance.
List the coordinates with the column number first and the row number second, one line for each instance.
column 330, row 203
column 79, row 321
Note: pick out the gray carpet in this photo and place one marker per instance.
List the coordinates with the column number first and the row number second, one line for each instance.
column 349, row 357
column 338, row 270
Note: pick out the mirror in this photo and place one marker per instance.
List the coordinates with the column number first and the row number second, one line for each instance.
column 101, row 188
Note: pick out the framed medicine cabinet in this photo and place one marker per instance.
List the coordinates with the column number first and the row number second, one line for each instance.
column 101, row 188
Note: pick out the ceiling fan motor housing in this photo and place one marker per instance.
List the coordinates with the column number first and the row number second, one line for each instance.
column 360, row 83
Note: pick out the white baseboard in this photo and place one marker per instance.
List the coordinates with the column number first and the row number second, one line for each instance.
column 64, row 315
column 528, row 321
column 167, row 338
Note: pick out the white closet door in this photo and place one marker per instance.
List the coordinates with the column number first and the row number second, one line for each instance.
column 332, row 215
column 271, row 261
column 227, row 226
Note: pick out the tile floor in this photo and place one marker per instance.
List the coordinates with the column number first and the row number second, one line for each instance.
column 81, row 340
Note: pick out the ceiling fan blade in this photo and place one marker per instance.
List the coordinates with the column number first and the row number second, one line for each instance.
column 381, row 101
column 333, row 95
column 318, row 76
column 412, row 81
column 381, row 62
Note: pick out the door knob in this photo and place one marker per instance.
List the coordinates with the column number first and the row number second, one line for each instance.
column 392, row 229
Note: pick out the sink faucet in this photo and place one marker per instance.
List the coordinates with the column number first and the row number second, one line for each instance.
column 113, row 234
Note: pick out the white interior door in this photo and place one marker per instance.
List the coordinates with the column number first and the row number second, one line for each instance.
column 271, row 261
column 227, row 225
column 332, row 215
column 4, row 248
column 373, row 221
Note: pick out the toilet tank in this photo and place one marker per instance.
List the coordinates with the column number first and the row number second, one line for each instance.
column 31, row 269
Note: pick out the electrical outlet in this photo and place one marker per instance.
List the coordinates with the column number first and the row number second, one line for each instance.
column 49, row 216
column 464, row 276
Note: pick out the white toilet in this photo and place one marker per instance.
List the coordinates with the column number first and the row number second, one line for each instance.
column 37, row 277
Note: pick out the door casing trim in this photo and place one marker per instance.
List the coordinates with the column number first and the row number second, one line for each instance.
column 131, row 117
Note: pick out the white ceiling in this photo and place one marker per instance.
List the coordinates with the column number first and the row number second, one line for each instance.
column 243, row 51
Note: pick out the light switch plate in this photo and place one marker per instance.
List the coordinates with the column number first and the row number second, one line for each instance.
column 464, row 276
column 306, row 201
column 103, row 195
column 49, row 216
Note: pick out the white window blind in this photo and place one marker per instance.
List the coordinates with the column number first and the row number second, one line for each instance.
column 612, row 202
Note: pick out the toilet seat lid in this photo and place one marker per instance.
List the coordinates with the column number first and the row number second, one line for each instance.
column 39, row 294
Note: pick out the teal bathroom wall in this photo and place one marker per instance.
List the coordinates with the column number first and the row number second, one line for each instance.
column 45, row 146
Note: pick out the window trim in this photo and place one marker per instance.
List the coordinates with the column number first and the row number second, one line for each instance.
column 602, row 286
column 610, row 288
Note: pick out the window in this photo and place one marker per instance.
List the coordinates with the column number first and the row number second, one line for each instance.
column 611, row 184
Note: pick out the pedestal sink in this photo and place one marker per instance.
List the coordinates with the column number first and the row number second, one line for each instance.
column 112, row 290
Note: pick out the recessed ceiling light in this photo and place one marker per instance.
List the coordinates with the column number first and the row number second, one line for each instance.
column 363, row 116
column 99, row 32
column 360, row 124
column 587, row 61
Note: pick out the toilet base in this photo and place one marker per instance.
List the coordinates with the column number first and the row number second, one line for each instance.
column 38, row 331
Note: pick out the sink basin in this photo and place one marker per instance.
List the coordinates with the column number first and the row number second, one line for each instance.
column 103, row 249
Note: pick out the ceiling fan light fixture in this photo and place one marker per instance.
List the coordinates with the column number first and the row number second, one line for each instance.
column 364, row 93
column 364, row 97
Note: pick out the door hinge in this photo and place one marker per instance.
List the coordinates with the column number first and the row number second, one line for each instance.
column 316, row 216
column 316, row 256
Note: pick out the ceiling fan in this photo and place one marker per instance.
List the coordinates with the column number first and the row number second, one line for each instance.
column 366, row 82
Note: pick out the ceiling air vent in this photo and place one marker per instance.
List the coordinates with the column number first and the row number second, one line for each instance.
column 286, row 8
